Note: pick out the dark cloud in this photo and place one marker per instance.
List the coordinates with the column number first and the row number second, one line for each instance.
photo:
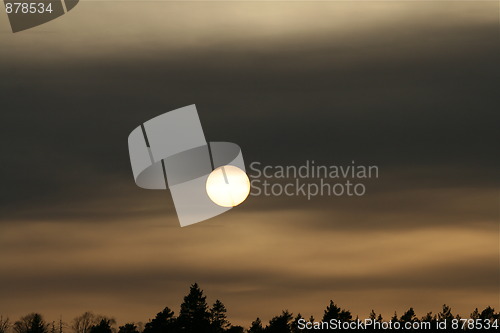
column 386, row 206
column 433, row 110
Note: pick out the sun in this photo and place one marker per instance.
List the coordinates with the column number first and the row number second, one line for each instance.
column 228, row 186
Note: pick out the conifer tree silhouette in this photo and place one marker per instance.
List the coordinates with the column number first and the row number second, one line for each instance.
column 164, row 322
column 281, row 323
column 395, row 317
column 128, row 328
column 429, row 318
column 372, row 315
column 295, row 324
column 489, row 313
column 446, row 315
column 256, row 326
column 408, row 316
column 334, row 312
column 218, row 318
column 194, row 316
column 104, row 326
column 475, row 314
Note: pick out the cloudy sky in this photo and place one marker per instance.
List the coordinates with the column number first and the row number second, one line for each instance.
column 411, row 87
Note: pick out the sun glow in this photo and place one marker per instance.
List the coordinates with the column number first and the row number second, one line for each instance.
column 228, row 186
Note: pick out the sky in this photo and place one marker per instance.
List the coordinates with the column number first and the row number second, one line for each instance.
column 411, row 87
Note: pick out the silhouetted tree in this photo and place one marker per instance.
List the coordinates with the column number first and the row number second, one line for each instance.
column 104, row 326
column 408, row 316
column 475, row 315
column 429, row 318
column 140, row 326
column 235, row 329
column 128, row 328
column 218, row 318
column 32, row 323
column 4, row 324
column 281, row 323
column 445, row 315
column 488, row 313
column 194, row 316
column 394, row 317
column 295, row 324
column 61, row 324
column 334, row 312
column 163, row 322
column 373, row 315
column 256, row 326
column 83, row 323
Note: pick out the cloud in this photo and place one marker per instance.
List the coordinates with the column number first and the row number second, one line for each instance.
column 284, row 108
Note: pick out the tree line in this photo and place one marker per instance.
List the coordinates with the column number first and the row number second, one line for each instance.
column 195, row 316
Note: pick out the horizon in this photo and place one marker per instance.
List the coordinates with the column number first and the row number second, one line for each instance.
column 65, row 325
